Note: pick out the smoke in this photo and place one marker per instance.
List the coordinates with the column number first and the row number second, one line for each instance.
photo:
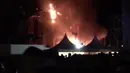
column 77, row 17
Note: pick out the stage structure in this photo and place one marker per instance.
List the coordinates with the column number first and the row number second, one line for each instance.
column 65, row 47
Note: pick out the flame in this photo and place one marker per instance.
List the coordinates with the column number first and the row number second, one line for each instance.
column 65, row 19
column 53, row 14
column 76, row 42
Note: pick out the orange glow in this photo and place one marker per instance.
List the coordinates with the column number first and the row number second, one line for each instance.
column 79, row 39
column 76, row 42
column 70, row 19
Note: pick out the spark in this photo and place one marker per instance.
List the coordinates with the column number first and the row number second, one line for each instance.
column 58, row 13
column 53, row 21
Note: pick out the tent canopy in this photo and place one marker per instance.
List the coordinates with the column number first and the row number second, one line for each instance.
column 64, row 44
column 95, row 44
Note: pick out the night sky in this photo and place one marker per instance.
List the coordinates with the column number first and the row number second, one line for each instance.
column 106, row 9
column 13, row 11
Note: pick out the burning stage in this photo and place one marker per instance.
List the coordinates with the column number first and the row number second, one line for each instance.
column 68, row 27
column 54, row 19
column 65, row 47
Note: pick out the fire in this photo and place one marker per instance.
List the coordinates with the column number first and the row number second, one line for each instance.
column 76, row 42
column 53, row 16
column 53, row 13
column 65, row 15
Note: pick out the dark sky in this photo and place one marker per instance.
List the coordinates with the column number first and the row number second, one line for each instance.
column 12, row 11
column 11, row 14
column 106, row 9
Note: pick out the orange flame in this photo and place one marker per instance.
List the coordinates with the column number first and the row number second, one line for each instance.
column 65, row 22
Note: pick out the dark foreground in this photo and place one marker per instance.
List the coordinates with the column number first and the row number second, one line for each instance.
column 36, row 61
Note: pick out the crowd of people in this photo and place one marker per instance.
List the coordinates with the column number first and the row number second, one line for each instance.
column 34, row 60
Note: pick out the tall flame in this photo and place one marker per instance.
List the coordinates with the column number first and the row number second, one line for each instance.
column 53, row 14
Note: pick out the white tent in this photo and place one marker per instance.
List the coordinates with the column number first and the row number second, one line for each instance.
column 20, row 48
